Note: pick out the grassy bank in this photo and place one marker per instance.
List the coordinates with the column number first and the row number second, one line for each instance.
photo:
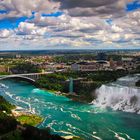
column 31, row 119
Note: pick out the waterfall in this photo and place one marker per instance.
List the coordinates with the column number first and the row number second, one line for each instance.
column 119, row 97
column 70, row 85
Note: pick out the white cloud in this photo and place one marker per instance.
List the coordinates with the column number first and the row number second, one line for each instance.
column 89, row 29
column 18, row 8
column 116, row 28
column 5, row 33
column 26, row 28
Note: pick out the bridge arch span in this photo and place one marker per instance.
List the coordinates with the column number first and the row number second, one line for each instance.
column 18, row 77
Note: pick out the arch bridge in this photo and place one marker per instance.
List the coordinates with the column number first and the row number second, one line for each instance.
column 30, row 77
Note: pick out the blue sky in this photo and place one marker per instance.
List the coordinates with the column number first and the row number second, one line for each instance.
column 133, row 5
column 46, row 24
column 12, row 23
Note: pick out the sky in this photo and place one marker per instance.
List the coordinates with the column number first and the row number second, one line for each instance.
column 69, row 24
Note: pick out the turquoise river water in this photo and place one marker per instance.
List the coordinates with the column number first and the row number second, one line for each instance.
column 66, row 117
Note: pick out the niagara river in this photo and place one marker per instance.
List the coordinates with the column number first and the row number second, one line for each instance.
column 114, row 115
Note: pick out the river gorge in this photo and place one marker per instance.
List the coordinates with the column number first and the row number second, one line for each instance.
column 114, row 115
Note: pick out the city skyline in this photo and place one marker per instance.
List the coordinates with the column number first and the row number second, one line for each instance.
column 69, row 24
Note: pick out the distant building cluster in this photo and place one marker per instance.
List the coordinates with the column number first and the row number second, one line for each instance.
column 101, row 63
column 48, row 64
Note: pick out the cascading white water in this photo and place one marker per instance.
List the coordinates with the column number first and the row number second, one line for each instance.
column 119, row 97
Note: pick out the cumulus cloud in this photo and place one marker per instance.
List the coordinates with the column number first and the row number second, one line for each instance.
column 26, row 28
column 87, row 23
column 5, row 33
column 104, row 8
column 18, row 8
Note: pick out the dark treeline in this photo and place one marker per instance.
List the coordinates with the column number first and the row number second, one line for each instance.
column 24, row 67
column 70, row 58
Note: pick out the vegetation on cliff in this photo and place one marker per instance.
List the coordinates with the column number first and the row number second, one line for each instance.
column 5, row 106
column 83, row 87
column 52, row 82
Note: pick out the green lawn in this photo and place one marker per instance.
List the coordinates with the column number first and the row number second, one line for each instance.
column 32, row 120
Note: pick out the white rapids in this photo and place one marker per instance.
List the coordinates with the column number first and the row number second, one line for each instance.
column 121, row 95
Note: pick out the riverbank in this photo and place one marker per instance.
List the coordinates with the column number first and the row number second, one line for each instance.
column 73, row 96
column 20, row 125
column 20, row 122
column 26, row 117
column 84, row 83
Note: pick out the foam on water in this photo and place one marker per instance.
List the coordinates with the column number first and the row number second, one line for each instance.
column 75, row 116
column 3, row 86
column 119, row 97
column 36, row 90
column 9, row 94
column 19, row 101
column 121, row 136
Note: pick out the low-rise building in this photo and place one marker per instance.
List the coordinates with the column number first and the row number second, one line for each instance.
column 84, row 66
column 90, row 66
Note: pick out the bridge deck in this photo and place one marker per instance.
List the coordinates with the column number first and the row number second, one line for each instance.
column 30, row 76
